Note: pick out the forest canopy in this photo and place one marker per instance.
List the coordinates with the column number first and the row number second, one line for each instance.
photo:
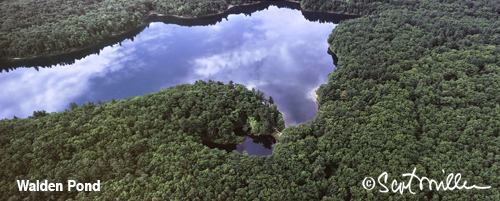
column 136, row 140
column 416, row 86
column 32, row 27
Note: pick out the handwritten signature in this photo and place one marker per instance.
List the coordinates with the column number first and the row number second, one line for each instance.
column 369, row 183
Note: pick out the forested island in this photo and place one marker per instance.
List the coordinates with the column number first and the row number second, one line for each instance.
column 416, row 86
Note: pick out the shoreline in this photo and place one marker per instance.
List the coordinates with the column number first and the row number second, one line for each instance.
column 81, row 48
column 315, row 11
column 316, row 97
column 153, row 13
column 330, row 48
column 229, row 6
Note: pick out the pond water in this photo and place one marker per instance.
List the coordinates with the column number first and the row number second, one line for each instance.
column 261, row 145
column 270, row 46
column 258, row 145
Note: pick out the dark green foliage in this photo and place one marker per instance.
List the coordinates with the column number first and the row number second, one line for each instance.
column 31, row 27
column 281, row 123
column 37, row 114
column 416, row 86
column 150, row 142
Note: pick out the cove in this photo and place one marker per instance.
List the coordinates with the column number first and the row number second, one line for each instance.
column 261, row 145
column 257, row 145
column 273, row 47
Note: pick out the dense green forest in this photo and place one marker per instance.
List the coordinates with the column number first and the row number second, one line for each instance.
column 32, row 27
column 416, row 86
column 68, row 58
column 152, row 142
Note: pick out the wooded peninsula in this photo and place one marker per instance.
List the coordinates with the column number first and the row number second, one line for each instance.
column 416, row 87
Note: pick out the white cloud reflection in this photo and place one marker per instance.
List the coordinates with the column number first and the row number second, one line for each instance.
column 277, row 48
column 284, row 31
column 276, row 51
column 51, row 89
column 156, row 31
column 221, row 63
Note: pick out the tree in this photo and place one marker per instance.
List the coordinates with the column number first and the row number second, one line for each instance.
column 73, row 106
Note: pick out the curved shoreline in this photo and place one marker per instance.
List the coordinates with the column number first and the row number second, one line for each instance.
column 330, row 48
column 303, row 9
column 152, row 13
column 315, row 95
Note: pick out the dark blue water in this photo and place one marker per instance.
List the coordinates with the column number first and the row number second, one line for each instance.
column 275, row 50
column 258, row 145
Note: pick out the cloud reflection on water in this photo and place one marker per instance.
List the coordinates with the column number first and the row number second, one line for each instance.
column 274, row 58
column 276, row 51
column 52, row 89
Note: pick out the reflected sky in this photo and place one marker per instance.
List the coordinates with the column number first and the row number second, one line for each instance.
column 275, row 50
column 261, row 145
